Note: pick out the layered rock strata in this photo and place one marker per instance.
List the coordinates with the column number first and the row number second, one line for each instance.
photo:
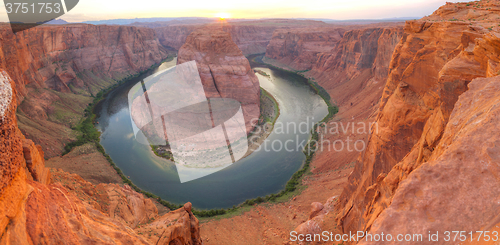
column 299, row 48
column 439, row 98
column 33, row 210
column 56, row 70
column 225, row 72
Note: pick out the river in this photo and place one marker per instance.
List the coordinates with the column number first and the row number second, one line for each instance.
column 262, row 173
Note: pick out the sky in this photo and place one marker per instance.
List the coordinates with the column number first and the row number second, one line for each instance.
column 87, row 10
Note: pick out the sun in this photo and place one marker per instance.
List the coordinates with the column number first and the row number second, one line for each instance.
column 223, row 15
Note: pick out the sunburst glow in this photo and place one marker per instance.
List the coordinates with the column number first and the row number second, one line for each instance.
column 223, row 15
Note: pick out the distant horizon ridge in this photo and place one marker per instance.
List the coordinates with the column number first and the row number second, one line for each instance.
column 129, row 21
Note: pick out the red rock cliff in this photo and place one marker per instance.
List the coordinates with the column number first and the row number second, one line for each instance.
column 77, row 60
column 456, row 188
column 352, row 68
column 223, row 69
column 252, row 37
column 299, row 48
column 354, row 73
column 59, row 57
column 418, row 153
column 35, row 211
column 175, row 36
column 430, row 158
column 358, row 51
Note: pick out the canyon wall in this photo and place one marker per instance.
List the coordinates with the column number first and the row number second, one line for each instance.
column 38, row 208
column 456, row 187
column 424, row 146
column 358, row 51
column 175, row 36
column 353, row 72
column 225, row 72
column 57, row 69
column 299, row 48
column 250, row 39
column 428, row 163
column 61, row 57
column 344, row 62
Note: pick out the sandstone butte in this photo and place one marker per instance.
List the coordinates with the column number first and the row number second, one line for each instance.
column 225, row 72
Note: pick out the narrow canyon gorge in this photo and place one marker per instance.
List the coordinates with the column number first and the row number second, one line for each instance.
column 428, row 90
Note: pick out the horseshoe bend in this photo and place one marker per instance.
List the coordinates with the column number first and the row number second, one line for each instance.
column 246, row 128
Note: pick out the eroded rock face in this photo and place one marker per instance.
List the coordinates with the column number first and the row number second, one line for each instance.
column 177, row 227
column 354, row 72
column 224, row 71
column 483, row 12
column 35, row 212
column 431, row 67
column 175, row 36
column 27, row 206
column 59, row 57
column 12, row 164
column 299, row 48
column 35, row 162
column 457, row 188
column 351, row 63
column 78, row 60
column 121, row 203
column 251, row 39
column 357, row 51
column 71, row 220
column 315, row 223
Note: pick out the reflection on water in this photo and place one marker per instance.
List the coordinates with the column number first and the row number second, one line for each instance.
column 261, row 173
